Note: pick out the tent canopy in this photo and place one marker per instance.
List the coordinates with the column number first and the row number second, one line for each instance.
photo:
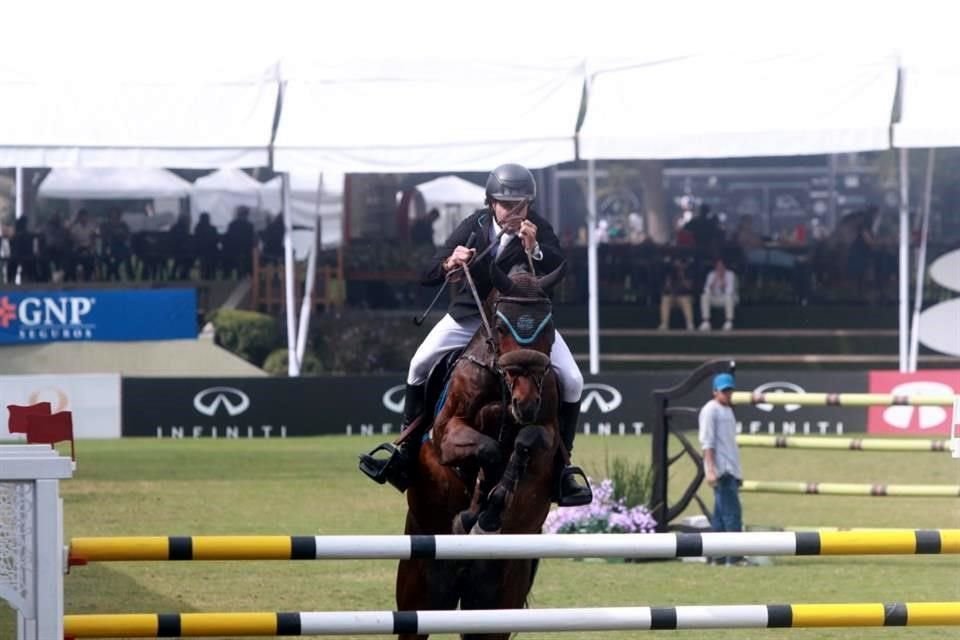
column 427, row 115
column 112, row 115
column 929, row 105
column 451, row 189
column 734, row 105
column 221, row 192
column 113, row 184
column 307, row 201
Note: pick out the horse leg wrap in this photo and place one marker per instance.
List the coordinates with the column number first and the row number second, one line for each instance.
column 490, row 520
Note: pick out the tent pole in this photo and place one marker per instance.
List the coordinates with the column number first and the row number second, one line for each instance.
column 921, row 263
column 592, row 302
column 18, row 192
column 904, row 289
column 293, row 364
column 306, row 305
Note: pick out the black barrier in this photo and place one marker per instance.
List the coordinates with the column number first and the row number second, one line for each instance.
column 612, row 405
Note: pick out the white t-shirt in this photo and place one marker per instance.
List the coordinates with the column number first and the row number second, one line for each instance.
column 718, row 431
column 714, row 286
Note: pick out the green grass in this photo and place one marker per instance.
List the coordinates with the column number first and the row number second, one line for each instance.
column 311, row 486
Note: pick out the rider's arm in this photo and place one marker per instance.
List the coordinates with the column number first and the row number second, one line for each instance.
column 433, row 274
column 549, row 244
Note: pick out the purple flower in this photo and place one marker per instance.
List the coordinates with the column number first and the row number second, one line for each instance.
column 603, row 515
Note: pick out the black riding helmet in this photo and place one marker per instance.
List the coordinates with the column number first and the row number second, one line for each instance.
column 511, row 183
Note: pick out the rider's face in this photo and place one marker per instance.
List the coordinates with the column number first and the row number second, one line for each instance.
column 502, row 209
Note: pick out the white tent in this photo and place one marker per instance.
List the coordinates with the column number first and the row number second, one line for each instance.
column 455, row 199
column 221, row 192
column 308, row 200
column 113, row 184
column 427, row 115
column 728, row 105
column 88, row 117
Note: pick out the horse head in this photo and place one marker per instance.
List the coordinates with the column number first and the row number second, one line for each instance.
column 523, row 320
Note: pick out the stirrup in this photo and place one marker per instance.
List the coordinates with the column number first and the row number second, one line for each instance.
column 394, row 468
column 580, row 494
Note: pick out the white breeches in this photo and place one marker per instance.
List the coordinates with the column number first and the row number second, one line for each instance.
column 450, row 334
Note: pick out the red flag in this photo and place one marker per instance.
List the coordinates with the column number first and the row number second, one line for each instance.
column 50, row 429
column 19, row 414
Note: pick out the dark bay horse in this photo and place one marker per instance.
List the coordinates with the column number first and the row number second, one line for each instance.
column 488, row 465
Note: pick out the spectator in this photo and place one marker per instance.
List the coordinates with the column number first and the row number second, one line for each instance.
column 56, row 248
column 23, row 254
column 83, row 238
column 720, row 290
column 206, row 241
column 677, row 290
column 721, row 459
column 271, row 241
column 421, row 231
column 181, row 247
column 238, row 245
column 115, row 234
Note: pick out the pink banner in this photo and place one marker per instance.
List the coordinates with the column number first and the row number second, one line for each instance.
column 913, row 420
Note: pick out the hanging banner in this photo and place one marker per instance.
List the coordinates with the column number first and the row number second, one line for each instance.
column 94, row 400
column 913, row 420
column 28, row 317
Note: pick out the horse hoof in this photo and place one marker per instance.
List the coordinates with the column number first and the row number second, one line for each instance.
column 486, row 526
column 464, row 522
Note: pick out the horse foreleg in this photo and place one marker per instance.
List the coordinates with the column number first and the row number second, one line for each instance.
column 461, row 442
column 528, row 440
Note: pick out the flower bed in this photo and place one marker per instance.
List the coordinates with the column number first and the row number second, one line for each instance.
column 606, row 514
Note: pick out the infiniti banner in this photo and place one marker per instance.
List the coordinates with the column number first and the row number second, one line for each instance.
column 611, row 405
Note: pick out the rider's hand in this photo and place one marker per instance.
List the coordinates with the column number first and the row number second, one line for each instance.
column 528, row 235
column 460, row 256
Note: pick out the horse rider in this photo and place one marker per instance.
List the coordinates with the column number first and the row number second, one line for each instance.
column 510, row 192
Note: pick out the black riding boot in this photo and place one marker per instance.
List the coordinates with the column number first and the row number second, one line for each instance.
column 571, row 492
column 397, row 467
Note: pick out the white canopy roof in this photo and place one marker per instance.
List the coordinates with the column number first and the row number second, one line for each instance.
column 113, row 184
column 427, row 115
column 930, row 106
column 221, row 192
column 730, row 105
column 451, row 189
column 307, row 201
column 73, row 117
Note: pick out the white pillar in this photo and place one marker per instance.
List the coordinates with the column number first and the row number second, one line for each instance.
column 18, row 192
column 904, row 257
column 592, row 273
column 921, row 265
column 289, row 282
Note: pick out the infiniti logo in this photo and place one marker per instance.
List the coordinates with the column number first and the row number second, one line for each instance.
column 209, row 401
column 606, row 398
column 778, row 387
column 393, row 398
column 901, row 416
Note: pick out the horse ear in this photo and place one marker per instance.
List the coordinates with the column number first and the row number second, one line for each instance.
column 500, row 280
column 551, row 280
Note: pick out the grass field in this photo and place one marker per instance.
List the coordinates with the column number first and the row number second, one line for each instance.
column 311, row 486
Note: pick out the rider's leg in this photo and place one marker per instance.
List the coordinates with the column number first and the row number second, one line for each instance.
column 571, row 491
column 446, row 335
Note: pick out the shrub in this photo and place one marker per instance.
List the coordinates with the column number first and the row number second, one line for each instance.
column 248, row 334
column 276, row 364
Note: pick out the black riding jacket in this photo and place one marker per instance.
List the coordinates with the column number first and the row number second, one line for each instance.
column 462, row 304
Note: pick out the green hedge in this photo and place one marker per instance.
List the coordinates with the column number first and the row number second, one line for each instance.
column 249, row 334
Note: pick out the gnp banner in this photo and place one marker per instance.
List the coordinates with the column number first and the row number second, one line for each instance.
column 94, row 400
column 53, row 316
column 911, row 420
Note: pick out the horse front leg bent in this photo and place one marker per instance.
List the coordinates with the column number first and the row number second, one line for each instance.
column 530, row 439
